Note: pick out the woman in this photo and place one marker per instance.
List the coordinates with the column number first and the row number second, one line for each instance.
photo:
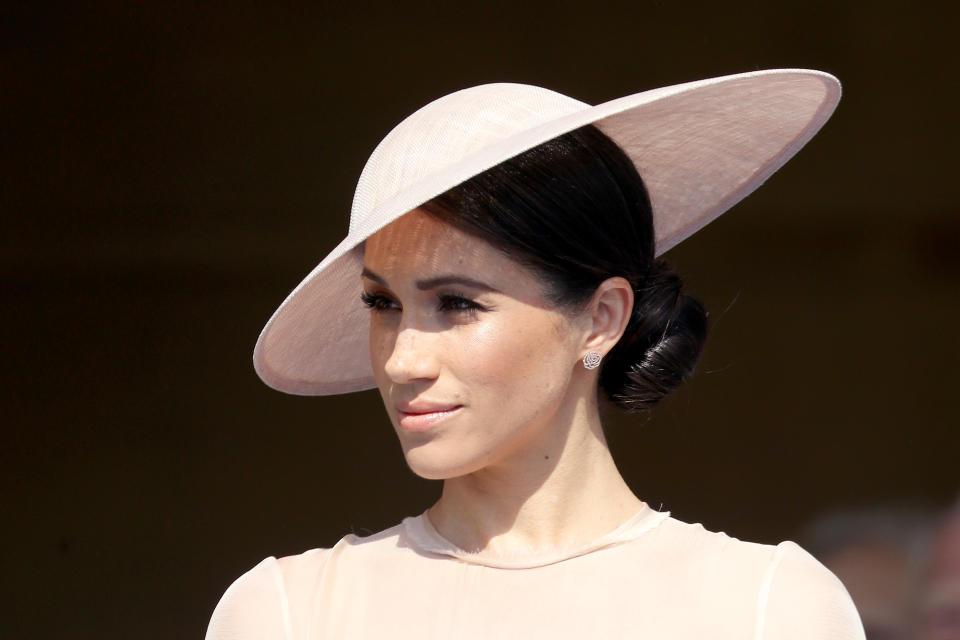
column 498, row 276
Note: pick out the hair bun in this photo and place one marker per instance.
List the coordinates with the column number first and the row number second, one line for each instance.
column 660, row 346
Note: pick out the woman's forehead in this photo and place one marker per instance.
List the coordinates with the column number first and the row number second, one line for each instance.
column 420, row 242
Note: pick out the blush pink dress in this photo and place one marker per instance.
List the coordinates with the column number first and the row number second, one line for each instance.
column 652, row 577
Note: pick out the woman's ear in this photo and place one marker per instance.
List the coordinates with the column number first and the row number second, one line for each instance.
column 609, row 312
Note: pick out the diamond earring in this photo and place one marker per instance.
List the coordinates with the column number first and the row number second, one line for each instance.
column 592, row 360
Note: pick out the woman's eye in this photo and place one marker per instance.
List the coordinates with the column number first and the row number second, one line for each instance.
column 457, row 303
column 454, row 303
column 377, row 302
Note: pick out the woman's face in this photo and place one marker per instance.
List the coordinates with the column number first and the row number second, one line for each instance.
column 471, row 360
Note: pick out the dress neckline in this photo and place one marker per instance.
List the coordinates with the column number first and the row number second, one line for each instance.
column 425, row 538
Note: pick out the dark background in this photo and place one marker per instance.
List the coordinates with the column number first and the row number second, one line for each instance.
column 170, row 173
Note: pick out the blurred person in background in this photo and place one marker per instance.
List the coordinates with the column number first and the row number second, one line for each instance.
column 937, row 614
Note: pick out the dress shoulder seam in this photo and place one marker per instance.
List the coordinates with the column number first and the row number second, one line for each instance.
column 284, row 600
column 763, row 596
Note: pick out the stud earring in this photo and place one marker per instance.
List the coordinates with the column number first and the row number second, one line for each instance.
column 592, row 360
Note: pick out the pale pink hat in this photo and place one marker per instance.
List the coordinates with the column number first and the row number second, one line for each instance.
column 700, row 148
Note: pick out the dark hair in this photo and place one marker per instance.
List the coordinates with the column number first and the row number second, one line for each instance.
column 575, row 210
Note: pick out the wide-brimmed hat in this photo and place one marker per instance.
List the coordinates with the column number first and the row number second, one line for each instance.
column 700, row 147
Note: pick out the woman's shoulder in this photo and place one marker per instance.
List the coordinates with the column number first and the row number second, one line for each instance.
column 253, row 606
column 700, row 543
column 795, row 594
column 265, row 600
column 786, row 561
column 799, row 592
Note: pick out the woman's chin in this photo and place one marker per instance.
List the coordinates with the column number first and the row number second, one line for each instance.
column 431, row 466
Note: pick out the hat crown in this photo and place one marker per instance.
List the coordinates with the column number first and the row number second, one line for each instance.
column 449, row 131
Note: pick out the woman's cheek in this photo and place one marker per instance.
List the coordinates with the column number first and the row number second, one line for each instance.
column 495, row 351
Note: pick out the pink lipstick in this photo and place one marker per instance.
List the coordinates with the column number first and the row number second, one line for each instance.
column 424, row 419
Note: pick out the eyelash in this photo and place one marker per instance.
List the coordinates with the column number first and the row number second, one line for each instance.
column 375, row 301
column 447, row 302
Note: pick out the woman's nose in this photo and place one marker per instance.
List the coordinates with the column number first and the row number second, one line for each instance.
column 412, row 358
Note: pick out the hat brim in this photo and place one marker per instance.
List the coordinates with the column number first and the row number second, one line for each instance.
column 700, row 147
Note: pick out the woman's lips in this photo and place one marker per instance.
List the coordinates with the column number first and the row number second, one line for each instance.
column 422, row 421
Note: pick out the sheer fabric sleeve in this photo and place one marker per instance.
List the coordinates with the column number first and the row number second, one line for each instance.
column 800, row 599
column 254, row 607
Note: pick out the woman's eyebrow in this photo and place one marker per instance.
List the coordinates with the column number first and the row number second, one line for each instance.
column 433, row 283
column 370, row 275
column 441, row 281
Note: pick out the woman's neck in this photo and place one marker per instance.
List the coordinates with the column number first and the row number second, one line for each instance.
column 563, row 492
